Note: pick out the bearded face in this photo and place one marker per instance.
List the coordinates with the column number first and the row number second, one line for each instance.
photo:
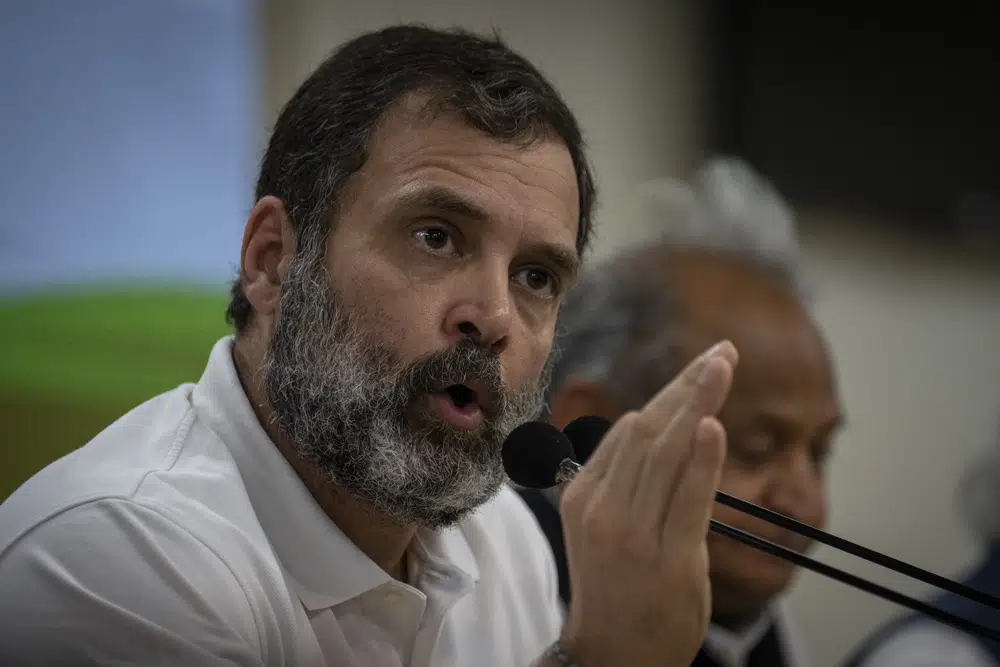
column 363, row 416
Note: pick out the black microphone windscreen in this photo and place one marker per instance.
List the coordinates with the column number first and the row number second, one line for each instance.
column 586, row 434
column 532, row 454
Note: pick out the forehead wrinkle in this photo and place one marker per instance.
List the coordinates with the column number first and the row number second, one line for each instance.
column 450, row 155
column 515, row 209
column 549, row 169
column 547, row 209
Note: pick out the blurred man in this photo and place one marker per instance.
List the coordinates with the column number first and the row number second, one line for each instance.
column 331, row 491
column 916, row 641
column 725, row 264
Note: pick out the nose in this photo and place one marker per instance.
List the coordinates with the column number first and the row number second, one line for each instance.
column 799, row 491
column 482, row 311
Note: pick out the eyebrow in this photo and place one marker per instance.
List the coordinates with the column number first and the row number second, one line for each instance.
column 776, row 421
column 566, row 261
column 445, row 200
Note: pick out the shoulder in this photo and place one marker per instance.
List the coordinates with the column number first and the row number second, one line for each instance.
column 149, row 525
column 146, row 440
column 925, row 643
column 104, row 540
column 158, row 455
column 116, row 574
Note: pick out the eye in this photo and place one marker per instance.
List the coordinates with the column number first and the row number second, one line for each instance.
column 753, row 451
column 537, row 280
column 436, row 239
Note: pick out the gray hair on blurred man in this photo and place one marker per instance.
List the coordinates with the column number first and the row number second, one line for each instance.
column 723, row 261
column 916, row 641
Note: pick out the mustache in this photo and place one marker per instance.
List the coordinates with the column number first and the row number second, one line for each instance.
column 462, row 363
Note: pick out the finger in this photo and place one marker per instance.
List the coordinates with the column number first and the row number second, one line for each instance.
column 595, row 485
column 626, row 460
column 670, row 453
column 626, row 456
column 687, row 521
column 660, row 410
column 600, row 460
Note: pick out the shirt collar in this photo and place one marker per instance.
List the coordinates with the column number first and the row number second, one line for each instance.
column 326, row 566
column 446, row 553
column 732, row 647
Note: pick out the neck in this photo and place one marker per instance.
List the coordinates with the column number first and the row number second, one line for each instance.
column 384, row 541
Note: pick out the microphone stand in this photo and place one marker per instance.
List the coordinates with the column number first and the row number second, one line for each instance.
column 568, row 469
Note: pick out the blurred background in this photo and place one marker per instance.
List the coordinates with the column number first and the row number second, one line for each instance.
column 131, row 133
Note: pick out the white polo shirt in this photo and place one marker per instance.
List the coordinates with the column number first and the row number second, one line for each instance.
column 181, row 536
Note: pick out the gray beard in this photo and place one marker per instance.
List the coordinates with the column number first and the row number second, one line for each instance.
column 349, row 406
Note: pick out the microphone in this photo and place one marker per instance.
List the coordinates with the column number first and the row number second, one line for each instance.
column 586, row 434
column 538, row 455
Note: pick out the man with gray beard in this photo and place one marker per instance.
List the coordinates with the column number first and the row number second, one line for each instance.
column 330, row 492
column 349, row 403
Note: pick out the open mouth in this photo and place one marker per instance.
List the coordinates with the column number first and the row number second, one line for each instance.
column 459, row 405
column 461, row 395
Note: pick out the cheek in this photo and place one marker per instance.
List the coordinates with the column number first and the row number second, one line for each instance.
column 749, row 486
column 400, row 313
column 525, row 359
column 407, row 323
column 803, row 496
column 807, row 504
column 819, row 512
column 541, row 351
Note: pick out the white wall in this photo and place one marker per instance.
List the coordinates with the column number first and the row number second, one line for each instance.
column 626, row 67
column 912, row 330
column 915, row 332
